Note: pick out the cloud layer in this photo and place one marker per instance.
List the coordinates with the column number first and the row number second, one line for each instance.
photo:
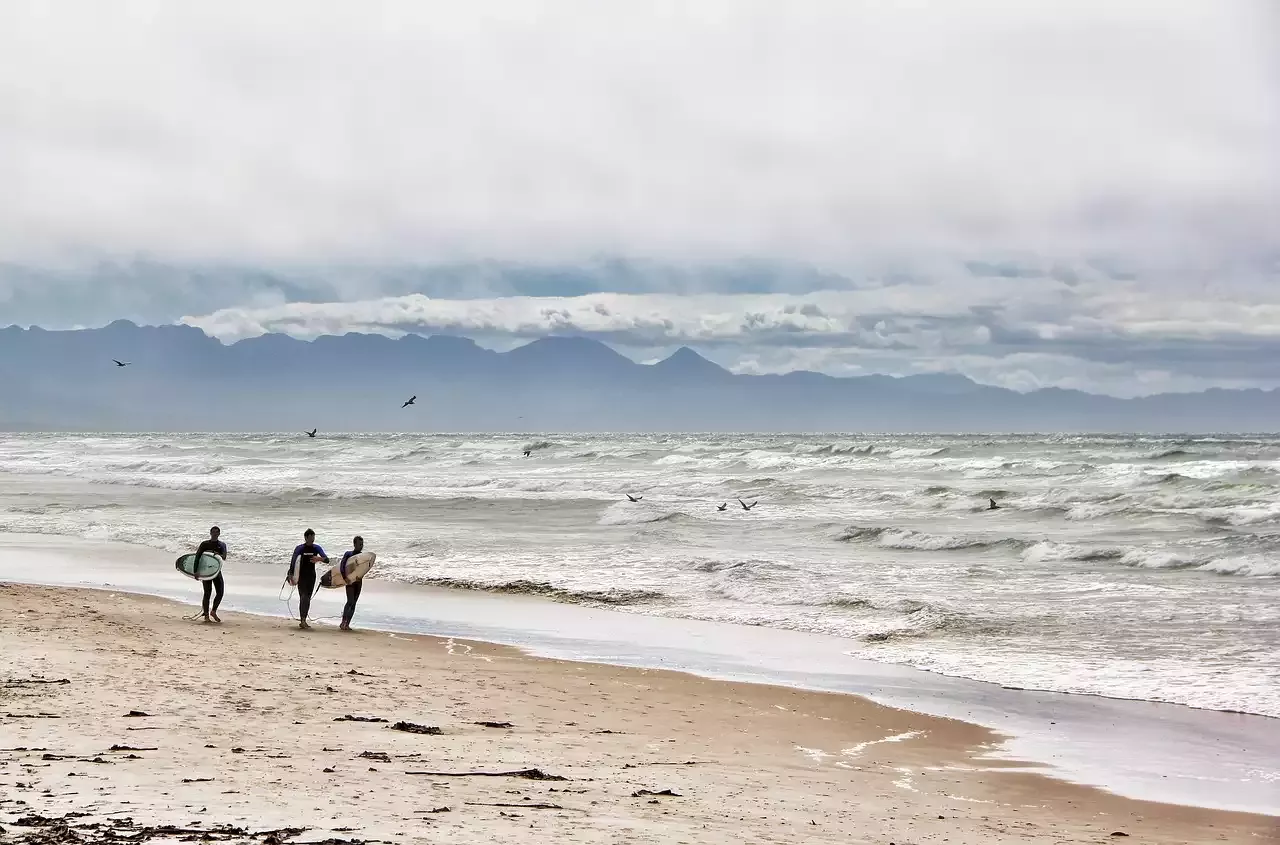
column 1097, row 333
column 406, row 131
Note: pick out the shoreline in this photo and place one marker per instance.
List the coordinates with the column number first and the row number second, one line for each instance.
column 743, row 759
column 1066, row 736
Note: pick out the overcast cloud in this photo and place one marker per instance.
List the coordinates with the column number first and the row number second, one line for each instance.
column 249, row 162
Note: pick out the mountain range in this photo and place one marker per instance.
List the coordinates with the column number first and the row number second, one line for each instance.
column 180, row 379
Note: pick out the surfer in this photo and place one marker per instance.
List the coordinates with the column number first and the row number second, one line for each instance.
column 304, row 559
column 353, row 590
column 993, row 506
column 634, row 498
column 213, row 546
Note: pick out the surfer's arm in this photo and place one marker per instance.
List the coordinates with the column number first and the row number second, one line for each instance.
column 320, row 553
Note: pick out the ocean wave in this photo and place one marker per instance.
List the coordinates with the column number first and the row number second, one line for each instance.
column 1157, row 559
column 632, row 515
column 1167, row 454
column 935, row 621
column 905, row 538
column 545, row 590
column 903, row 606
column 838, row 449
column 1047, row 550
column 1256, row 566
column 1243, row 515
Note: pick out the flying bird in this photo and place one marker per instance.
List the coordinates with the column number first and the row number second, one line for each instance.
column 312, row 432
column 747, row 507
column 634, row 498
column 122, row 363
column 412, row 399
column 722, row 506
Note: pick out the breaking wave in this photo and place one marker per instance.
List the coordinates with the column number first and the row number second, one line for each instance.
column 905, row 538
column 544, row 590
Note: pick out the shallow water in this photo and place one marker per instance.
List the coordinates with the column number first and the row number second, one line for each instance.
column 1135, row 567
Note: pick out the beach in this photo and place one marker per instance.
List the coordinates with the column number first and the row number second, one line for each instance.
column 252, row 726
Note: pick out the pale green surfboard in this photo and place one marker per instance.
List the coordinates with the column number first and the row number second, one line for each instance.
column 207, row 567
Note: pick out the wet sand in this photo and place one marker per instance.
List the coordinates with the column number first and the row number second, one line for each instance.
column 240, row 730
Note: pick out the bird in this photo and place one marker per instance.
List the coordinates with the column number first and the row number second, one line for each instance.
column 311, row 433
column 722, row 506
column 634, row 498
column 747, row 507
column 412, row 399
column 122, row 363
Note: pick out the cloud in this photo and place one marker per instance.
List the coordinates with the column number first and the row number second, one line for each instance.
column 318, row 132
column 1095, row 334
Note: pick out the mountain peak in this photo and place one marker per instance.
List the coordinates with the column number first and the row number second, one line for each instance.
column 685, row 360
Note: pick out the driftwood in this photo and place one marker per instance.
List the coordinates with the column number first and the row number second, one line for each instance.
column 526, row 774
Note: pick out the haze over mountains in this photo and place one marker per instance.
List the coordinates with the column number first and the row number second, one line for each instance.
column 180, row 379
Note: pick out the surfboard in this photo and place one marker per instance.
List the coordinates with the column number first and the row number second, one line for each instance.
column 207, row 567
column 358, row 566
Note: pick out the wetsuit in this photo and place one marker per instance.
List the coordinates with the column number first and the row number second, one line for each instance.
column 304, row 557
column 219, row 548
column 353, row 591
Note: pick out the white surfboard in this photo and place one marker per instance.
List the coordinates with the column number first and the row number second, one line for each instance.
column 357, row 567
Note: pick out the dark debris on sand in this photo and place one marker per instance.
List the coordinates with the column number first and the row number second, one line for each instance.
column 525, row 774
column 68, row 830
column 350, row 718
column 411, row 728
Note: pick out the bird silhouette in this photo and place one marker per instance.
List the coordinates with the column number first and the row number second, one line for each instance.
column 722, row 506
column 634, row 498
column 412, row 399
column 122, row 363
column 312, row 432
column 747, row 507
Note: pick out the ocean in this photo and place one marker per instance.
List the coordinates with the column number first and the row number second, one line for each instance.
column 1121, row 566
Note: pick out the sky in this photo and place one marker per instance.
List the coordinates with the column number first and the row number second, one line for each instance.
column 1077, row 194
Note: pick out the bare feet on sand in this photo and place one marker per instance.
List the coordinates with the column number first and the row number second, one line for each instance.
column 303, row 625
column 214, row 616
column 344, row 627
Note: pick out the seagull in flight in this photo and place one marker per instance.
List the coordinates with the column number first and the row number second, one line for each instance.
column 747, row 507
column 311, row 433
column 412, row 399
column 122, row 363
column 634, row 498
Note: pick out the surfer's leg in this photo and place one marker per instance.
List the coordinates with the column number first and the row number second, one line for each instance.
column 219, row 587
column 353, row 596
column 306, row 586
column 208, row 591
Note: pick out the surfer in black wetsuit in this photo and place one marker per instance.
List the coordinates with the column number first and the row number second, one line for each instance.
column 304, row 558
column 213, row 546
column 353, row 590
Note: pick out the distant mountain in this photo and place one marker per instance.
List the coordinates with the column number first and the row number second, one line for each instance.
column 181, row 379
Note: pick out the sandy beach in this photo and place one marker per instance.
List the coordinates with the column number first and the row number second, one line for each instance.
column 252, row 727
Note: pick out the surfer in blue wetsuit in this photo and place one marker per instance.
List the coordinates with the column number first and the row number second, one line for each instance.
column 213, row 546
column 303, row 567
column 353, row 590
